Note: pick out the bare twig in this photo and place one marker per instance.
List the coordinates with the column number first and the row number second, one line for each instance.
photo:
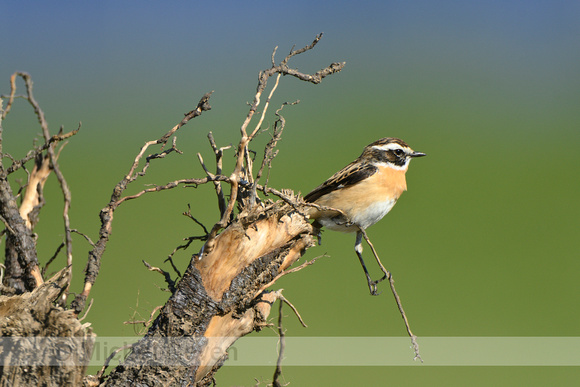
column 219, row 152
column 240, row 172
column 286, row 272
column 188, row 239
column 168, row 280
column 269, row 153
column 100, row 374
column 48, row 139
column 88, row 239
column 58, row 249
column 282, row 335
column 282, row 298
column 171, row 185
column 17, row 164
column 170, row 259
column 94, row 259
column 249, row 167
column 155, row 156
column 397, row 298
column 203, row 105
column 33, row 197
column 190, row 216
column 87, row 310
column 148, row 322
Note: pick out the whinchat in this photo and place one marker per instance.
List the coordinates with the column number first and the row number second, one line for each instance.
column 363, row 192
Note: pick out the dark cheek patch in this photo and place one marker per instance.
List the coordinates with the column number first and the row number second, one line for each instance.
column 389, row 156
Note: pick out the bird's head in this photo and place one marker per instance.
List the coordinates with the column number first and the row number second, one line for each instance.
column 390, row 151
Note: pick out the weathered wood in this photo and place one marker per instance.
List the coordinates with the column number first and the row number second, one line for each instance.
column 42, row 344
column 218, row 301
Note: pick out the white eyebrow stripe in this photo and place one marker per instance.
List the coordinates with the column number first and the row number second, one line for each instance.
column 391, row 146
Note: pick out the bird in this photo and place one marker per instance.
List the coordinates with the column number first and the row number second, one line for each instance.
column 362, row 193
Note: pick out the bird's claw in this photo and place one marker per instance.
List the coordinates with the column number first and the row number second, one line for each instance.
column 373, row 286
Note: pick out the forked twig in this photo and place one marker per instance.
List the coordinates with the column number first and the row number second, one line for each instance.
column 235, row 179
column 294, row 309
column 106, row 215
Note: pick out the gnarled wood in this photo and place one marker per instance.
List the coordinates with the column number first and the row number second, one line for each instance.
column 215, row 302
column 42, row 344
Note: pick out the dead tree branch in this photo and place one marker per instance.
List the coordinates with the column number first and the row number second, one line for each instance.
column 95, row 255
column 221, row 296
column 242, row 150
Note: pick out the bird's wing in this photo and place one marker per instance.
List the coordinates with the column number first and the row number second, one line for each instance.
column 347, row 176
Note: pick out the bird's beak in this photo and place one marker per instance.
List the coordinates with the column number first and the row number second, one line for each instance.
column 417, row 154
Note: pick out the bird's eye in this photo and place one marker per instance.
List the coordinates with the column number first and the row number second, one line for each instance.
column 399, row 152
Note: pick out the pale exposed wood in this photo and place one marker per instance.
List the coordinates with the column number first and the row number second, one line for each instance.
column 223, row 331
column 31, row 198
column 236, row 248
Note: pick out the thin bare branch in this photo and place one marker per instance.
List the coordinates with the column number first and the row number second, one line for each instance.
column 95, row 255
column 100, row 374
column 219, row 152
column 171, row 185
column 17, row 164
column 168, row 280
column 58, row 249
column 397, row 298
column 282, row 335
column 87, row 310
column 170, row 258
column 286, row 272
column 238, row 174
column 88, row 239
column 269, row 153
column 145, row 323
column 190, row 216
column 282, row 298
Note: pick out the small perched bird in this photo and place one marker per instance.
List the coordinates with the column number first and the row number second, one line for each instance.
column 364, row 191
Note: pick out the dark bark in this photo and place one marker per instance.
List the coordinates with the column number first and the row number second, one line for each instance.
column 217, row 301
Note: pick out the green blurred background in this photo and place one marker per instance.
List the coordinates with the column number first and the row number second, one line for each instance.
column 484, row 243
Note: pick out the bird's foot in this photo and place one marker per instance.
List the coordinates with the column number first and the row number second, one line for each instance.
column 373, row 286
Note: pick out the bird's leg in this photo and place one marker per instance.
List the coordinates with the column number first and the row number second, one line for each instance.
column 358, row 249
column 362, row 233
column 386, row 273
column 318, row 229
